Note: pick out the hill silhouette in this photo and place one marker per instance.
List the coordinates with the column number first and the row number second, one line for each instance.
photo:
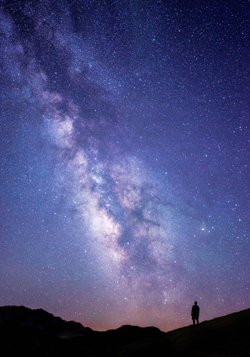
column 28, row 332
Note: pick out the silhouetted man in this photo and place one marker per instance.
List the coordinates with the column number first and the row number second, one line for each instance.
column 195, row 312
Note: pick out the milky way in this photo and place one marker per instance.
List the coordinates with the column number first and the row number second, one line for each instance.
column 125, row 159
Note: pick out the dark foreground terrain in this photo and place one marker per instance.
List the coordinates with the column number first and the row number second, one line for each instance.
column 37, row 333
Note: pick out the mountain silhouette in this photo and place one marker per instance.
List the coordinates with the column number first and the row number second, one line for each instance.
column 28, row 332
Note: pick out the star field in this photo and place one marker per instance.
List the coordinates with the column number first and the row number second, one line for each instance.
column 124, row 165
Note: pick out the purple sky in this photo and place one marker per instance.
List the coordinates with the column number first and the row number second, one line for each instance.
column 124, row 165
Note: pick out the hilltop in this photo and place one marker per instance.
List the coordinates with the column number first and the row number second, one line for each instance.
column 38, row 333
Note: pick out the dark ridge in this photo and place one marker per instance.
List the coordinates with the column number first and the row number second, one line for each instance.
column 28, row 332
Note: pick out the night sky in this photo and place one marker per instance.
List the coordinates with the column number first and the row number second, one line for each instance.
column 124, row 166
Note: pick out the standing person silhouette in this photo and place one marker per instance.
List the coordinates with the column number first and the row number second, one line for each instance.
column 195, row 313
